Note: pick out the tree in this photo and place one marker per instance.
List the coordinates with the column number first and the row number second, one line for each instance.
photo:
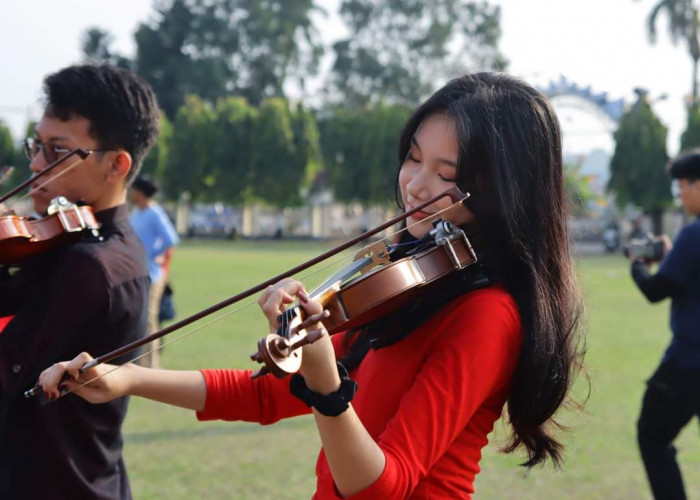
column 396, row 50
column 12, row 156
column 156, row 161
column 189, row 165
column 682, row 25
column 7, row 145
column 637, row 168
column 95, row 46
column 278, row 175
column 578, row 190
column 691, row 137
column 307, row 142
column 360, row 151
column 215, row 48
column 8, row 152
column 233, row 149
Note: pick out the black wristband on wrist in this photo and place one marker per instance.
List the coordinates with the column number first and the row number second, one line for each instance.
column 330, row 405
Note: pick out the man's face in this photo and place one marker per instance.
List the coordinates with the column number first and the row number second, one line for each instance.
column 689, row 193
column 85, row 181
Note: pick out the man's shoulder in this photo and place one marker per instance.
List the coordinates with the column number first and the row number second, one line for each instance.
column 116, row 258
column 694, row 227
column 689, row 236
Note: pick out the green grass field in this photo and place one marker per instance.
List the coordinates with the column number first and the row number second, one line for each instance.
column 171, row 455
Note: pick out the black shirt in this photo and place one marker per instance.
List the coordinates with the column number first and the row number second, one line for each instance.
column 87, row 296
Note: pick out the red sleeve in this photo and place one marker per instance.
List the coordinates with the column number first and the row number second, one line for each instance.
column 471, row 361
column 233, row 395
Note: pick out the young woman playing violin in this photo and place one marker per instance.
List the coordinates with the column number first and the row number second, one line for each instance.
column 427, row 382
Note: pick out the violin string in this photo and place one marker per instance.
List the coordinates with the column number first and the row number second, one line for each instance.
column 192, row 331
column 389, row 236
column 285, row 320
column 170, row 341
column 53, row 178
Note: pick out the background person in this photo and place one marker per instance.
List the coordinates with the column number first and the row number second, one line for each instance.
column 158, row 235
column 166, row 310
column 672, row 398
column 432, row 377
column 91, row 294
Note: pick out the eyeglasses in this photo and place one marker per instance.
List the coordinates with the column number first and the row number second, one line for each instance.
column 51, row 152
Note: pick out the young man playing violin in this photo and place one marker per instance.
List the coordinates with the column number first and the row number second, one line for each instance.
column 88, row 295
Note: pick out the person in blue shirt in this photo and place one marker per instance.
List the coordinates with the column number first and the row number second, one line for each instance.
column 672, row 396
column 158, row 236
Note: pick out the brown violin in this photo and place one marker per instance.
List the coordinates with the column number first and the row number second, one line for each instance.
column 22, row 237
column 349, row 300
column 370, row 287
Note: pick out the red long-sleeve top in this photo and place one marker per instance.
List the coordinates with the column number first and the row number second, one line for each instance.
column 429, row 400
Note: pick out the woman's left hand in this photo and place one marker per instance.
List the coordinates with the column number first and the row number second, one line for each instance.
column 318, row 365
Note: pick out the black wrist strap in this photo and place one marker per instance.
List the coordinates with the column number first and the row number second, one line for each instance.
column 330, row 405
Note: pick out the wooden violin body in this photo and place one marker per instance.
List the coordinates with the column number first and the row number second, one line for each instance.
column 21, row 237
column 382, row 288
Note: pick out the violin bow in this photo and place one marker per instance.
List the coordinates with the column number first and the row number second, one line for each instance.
column 454, row 193
column 80, row 152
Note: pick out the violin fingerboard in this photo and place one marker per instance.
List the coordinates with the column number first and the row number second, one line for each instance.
column 287, row 320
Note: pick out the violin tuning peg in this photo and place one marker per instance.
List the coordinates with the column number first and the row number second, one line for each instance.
column 310, row 337
column 311, row 320
column 314, row 335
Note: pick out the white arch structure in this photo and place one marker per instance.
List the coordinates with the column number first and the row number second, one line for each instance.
column 571, row 96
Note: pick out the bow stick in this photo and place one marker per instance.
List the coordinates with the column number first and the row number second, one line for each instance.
column 80, row 152
column 454, row 193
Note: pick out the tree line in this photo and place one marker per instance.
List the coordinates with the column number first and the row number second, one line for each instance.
column 233, row 79
column 223, row 69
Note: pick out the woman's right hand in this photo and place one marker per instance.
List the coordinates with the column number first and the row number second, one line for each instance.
column 99, row 384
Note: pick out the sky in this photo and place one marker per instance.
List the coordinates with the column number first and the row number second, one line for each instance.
column 597, row 43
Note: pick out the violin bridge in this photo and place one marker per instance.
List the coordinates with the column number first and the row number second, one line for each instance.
column 377, row 255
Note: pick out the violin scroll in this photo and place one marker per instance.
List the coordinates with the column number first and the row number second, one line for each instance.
column 280, row 352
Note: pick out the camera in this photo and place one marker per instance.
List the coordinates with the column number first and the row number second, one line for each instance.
column 648, row 247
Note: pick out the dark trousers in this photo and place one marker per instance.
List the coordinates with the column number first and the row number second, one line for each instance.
column 672, row 398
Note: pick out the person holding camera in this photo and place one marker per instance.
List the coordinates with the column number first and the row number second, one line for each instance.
column 672, row 398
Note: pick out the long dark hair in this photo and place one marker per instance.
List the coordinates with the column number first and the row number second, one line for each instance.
column 510, row 160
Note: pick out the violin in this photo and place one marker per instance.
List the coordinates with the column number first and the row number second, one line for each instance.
column 21, row 237
column 381, row 288
column 349, row 299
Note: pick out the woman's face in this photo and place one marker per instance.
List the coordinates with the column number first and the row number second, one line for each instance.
column 430, row 168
